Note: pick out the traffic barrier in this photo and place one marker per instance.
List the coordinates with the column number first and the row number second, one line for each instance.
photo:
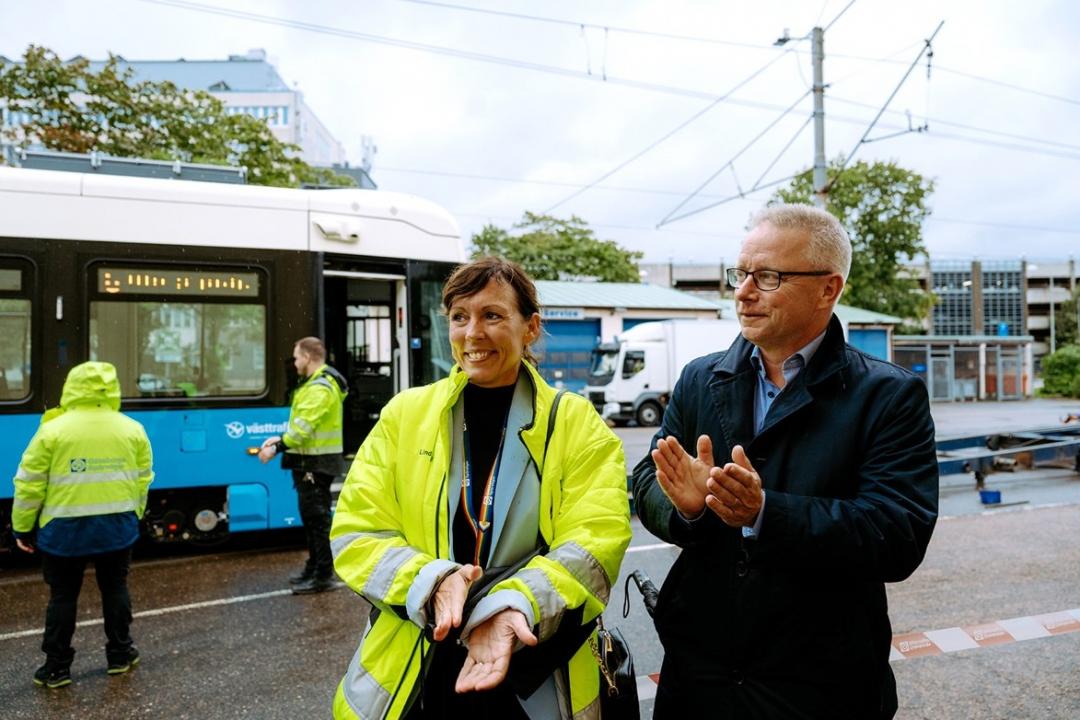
column 970, row 637
column 939, row 642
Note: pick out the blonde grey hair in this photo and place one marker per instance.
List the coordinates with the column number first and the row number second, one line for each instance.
column 829, row 248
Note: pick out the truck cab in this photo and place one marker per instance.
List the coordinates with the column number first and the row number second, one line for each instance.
column 628, row 381
column 631, row 377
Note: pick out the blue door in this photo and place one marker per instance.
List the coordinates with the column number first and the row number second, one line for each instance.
column 871, row 341
column 566, row 351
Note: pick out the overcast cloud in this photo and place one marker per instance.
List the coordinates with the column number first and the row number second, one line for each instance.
column 540, row 136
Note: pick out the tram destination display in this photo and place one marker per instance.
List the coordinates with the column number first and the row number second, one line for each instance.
column 176, row 282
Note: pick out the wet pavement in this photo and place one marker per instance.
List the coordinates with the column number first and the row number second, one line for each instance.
column 221, row 637
column 984, row 568
column 263, row 655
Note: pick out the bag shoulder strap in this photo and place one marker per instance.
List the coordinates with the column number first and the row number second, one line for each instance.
column 551, row 425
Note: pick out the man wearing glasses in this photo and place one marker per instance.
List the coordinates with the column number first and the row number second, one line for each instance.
column 799, row 476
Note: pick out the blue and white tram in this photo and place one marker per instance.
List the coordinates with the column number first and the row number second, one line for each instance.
column 197, row 292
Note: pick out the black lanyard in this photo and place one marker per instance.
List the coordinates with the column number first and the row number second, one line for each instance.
column 482, row 524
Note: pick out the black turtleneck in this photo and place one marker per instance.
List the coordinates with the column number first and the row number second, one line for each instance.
column 485, row 414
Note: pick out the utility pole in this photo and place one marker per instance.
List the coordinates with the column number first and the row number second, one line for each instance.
column 819, row 117
column 1053, row 335
column 817, row 36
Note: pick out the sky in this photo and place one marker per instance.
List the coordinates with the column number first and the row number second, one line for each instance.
column 618, row 111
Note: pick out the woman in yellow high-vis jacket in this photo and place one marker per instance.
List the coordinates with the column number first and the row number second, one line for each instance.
column 462, row 477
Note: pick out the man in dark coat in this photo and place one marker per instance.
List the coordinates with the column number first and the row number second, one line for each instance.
column 814, row 482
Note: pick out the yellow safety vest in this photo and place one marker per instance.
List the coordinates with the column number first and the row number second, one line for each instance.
column 315, row 417
column 384, row 535
column 87, row 460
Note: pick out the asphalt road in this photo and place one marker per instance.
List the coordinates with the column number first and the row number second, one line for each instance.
column 221, row 637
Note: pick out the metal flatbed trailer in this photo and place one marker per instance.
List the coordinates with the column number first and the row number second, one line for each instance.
column 983, row 454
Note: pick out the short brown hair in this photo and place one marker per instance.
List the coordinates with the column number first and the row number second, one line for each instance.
column 472, row 277
column 313, row 346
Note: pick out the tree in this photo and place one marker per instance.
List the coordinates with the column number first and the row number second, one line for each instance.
column 1061, row 372
column 550, row 248
column 882, row 207
column 1066, row 316
column 71, row 108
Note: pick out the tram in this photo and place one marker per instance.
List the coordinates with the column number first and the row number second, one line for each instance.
column 196, row 292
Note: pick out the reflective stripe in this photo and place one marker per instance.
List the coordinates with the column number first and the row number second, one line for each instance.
column 547, row 599
column 378, row 583
column 20, row 504
column 28, row 476
column 57, row 511
column 100, row 477
column 338, row 545
column 303, row 424
column 590, row 711
column 327, row 435
column 365, row 696
column 145, row 472
column 318, row 450
column 585, row 568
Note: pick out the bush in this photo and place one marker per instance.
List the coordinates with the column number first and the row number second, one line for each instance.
column 1061, row 372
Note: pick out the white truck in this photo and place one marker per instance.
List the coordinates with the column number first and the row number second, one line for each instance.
column 632, row 377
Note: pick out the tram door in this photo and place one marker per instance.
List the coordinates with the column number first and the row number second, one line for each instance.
column 362, row 346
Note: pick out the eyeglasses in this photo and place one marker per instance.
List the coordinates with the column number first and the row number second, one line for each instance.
column 767, row 279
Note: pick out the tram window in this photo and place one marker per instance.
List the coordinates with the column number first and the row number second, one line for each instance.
column 178, row 349
column 436, row 358
column 368, row 338
column 15, row 319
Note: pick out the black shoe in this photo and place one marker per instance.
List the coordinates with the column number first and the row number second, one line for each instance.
column 123, row 665
column 303, row 576
column 314, row 585
column 52, row 677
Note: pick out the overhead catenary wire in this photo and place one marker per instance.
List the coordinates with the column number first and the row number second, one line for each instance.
column 640, row 85
column 1005, row 226
column 532, row 181
column 870, row 127
column 614, row 226
column 668, row 218
column 961, row 126
column 678, row 128
column 452, row 52
column 658, row 87
column 783, row 150
column 838, row 15
column 595, row 26
column 729, row 198
column 748, row 46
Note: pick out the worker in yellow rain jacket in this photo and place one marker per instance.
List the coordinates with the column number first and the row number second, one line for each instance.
column 416, row 525
column 312, row 448
column 80, row 491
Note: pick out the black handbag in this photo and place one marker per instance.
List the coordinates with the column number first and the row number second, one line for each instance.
column 618, row 683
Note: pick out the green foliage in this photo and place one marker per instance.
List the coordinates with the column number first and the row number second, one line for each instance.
column 1061, row 372
column 909, row 328
column 71, row 108
column 882, row 207
column 1065, row 319
column 552, row 249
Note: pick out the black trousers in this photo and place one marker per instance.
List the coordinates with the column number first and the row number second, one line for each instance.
column 313, row 492
column 64, row 576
